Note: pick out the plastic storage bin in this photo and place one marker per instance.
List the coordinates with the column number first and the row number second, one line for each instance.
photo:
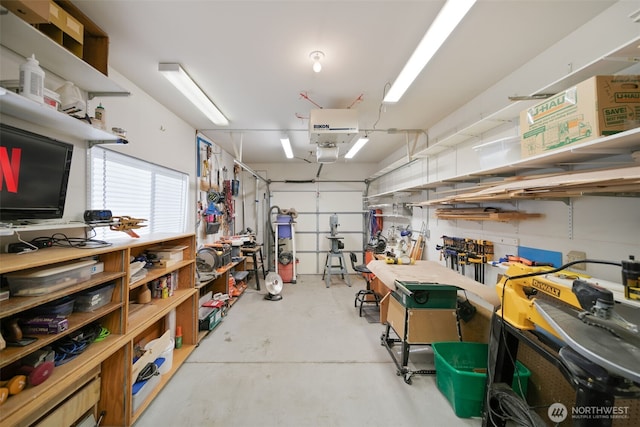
column 461, row 376
column 41, row 281
column 60, row 307
column 94, row 298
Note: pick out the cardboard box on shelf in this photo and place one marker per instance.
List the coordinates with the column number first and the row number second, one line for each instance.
column 64, row 29
column 596, row 107
column 31, row 11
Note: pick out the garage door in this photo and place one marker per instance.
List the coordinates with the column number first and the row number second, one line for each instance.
column 315, row 208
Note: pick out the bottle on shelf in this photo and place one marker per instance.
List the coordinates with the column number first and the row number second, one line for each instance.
column 32, row 80
column 178, row 336
column 99, row 116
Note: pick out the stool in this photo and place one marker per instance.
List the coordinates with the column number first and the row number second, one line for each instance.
column 362, row 295
column 331, row 268
column 255, row 252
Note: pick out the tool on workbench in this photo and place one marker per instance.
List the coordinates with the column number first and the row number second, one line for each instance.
column 631, row 278
column 532, row 300
column 574, row 326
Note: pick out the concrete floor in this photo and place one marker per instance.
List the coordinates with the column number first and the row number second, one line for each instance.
column 307, row 360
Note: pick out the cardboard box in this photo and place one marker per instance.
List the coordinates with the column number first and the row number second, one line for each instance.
column 422, row 326
column 31, row 11
column 64, row 29
column 45, row 325
column 599, row 106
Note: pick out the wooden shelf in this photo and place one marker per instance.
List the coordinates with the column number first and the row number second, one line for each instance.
column 620, row 181
column 76, row 321
column 156, row 310
column 157, row 272
column 13, row 410
column 16, row 305
column 484, row 215
column 179, row 357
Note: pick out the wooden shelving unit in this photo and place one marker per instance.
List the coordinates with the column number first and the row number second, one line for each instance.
column 109, row 362
column 220, row 284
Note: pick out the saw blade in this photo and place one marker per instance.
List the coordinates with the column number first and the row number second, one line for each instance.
column 616, row 354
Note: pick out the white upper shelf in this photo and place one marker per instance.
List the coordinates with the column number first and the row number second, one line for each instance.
column 619, row 143
column 22, row 38
column 31, row 111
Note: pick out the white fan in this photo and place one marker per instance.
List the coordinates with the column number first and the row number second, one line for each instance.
column 207, row 261
column 274, row 284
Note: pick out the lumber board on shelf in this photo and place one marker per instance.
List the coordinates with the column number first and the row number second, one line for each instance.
column 570, row 184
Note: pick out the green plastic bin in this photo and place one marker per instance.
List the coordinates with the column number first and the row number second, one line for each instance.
column 461, row 376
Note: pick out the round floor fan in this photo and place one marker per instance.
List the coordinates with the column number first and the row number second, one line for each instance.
column 207, row 262
column 274, row 285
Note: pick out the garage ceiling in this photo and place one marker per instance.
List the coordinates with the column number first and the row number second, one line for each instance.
column 252, row 59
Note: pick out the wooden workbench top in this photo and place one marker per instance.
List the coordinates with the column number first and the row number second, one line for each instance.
column 431, row 272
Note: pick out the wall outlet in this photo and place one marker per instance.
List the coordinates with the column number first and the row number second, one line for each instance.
column 577, row 256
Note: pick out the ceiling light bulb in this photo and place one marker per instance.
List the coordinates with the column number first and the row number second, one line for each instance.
column 316, row 56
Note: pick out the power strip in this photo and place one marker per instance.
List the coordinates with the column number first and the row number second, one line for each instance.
column 19, row 247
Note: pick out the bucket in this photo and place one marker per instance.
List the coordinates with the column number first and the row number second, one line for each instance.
column 167, row 354
column 284, row 226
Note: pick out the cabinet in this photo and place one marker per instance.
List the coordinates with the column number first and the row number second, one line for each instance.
column 107, row 365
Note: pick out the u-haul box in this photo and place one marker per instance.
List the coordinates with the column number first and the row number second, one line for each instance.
column 599, row 106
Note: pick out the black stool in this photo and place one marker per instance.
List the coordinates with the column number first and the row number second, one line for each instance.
column 362, row 295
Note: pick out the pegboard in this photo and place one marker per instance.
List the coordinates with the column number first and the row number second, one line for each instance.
column 547, row 386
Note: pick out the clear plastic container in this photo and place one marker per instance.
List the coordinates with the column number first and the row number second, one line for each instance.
column 60, row 307
column 94, row 298
column 41, row 281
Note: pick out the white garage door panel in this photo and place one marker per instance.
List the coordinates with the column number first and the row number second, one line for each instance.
column 306, row 222
column 298, row 200
column 343, row 201
column 305, row 242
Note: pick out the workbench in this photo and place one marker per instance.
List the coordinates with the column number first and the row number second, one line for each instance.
column 414, row 325
column 428, row 272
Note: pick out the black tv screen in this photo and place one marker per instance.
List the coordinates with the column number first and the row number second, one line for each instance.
column 34, row 173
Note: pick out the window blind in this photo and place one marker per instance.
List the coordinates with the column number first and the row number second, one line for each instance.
column 128, row 186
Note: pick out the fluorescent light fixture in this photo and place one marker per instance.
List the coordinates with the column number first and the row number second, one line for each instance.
column 449, row 17
column 181, row 80
column 286, row 146
column 356, row 147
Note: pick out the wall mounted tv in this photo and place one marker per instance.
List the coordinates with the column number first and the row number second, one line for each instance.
column 34, row 173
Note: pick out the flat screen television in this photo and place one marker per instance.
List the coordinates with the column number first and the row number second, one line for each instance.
column 34, row 173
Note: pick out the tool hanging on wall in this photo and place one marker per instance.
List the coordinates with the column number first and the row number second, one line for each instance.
column 460, row 251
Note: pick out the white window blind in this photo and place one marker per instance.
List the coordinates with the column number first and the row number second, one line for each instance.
column 128, row 186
